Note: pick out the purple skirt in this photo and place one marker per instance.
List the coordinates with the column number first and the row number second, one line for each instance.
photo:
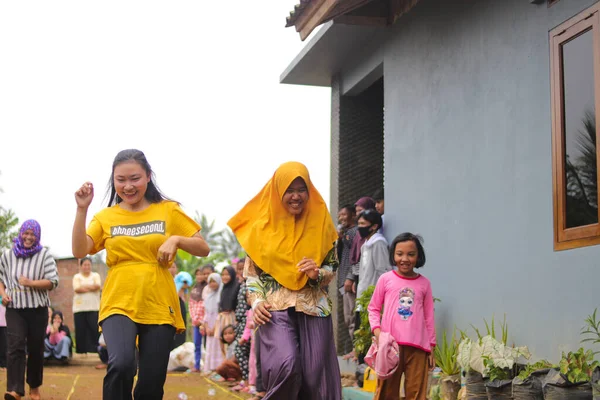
column 298, row 357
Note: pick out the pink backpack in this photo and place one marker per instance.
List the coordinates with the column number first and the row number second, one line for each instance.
column 384, row 359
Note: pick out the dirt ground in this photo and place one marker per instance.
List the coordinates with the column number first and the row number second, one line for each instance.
column 81, row 381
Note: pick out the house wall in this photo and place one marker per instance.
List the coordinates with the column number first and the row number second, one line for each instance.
column 468, row 165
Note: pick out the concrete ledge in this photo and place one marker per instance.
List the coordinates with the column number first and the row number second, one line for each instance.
column 351, row 393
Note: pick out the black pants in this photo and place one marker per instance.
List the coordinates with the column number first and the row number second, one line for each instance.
column 25, row 328
column 154, row 347
column 86, row 331
column 3, row 347
column 179, row 338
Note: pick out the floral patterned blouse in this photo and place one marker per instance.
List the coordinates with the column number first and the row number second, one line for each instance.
column 312, row 299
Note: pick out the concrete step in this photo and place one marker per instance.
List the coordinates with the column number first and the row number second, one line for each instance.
column 353, row 393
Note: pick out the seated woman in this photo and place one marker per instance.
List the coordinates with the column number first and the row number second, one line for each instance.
column 58, row 339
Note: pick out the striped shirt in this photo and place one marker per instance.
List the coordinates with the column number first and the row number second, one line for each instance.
column 39, row 266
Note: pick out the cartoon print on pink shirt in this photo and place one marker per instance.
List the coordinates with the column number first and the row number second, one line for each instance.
column 406, row 300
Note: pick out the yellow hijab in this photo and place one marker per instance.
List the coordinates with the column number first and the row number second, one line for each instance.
column 275, row 239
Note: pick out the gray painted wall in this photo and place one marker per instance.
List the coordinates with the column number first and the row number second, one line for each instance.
column 468, row 165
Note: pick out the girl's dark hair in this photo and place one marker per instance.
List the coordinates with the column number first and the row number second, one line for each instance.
column 209, row 266
column 55, row 313
column 84, row 259
column 153, row 194
column 372, row 216
column 409, row 237
column 223, row 332
column 350, row 207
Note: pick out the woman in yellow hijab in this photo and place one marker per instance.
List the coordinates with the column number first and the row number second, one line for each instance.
column 289, row 236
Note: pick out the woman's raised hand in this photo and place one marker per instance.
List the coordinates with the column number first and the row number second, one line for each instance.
column 84, row 195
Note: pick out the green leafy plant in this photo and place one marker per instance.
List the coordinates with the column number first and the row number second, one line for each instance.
column 578, row 366
column 363, row 335
column 530, row 368
column 591, row 330
column 495, row 372
column 445, row 355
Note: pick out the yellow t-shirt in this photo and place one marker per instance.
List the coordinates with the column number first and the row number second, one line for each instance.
column 136, row 285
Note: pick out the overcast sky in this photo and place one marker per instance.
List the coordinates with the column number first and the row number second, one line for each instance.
column 195, row 85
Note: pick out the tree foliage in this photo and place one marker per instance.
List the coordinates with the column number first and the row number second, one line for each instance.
column 8, row 225
column 223, row 244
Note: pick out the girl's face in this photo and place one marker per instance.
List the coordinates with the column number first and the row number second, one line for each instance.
column 200, row 277
column 405, row 257
column 205, row 273
column 28, row 238
column 359, row 209
column 213, row 285
column 57, row 319
column 131, row 182
column 225, row 277
column 239, row 270
column 295, row 197
column 86, row 267
column 228, row 335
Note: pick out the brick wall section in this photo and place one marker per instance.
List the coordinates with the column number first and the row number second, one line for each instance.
column 357, row 144
column 61, row 298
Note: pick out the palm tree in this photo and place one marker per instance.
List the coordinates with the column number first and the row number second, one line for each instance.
column 211, row 237
column 581, row 175
column 229, row 244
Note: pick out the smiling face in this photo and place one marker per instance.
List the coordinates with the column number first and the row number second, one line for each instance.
column 131, row 181
column 225, row 276
column 345, row 218
column 405, row 257
column 28, row 238
column 213, row 285
column 295, row 197
column 57, row 319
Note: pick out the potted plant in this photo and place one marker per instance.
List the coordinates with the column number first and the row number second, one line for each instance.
column 445, row 358
column 573, row 377
column 527, row 385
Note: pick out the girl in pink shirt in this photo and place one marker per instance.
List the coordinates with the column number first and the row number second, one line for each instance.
column 407, row 303
column 58, row 342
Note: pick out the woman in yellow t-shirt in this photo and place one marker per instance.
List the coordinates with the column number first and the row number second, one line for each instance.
column 141, row 231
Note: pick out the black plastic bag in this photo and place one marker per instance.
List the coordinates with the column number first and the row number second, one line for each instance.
column 475, row 386
column 596, row 383
column 360, row 374
column 529, row 388
column 498, row 389
column 557, row 387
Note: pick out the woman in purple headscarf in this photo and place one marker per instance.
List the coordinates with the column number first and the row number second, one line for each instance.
column 27, row 273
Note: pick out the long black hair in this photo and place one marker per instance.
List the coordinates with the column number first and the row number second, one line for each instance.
column 153, row 193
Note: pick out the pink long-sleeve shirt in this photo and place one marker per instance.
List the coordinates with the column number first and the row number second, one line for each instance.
column 407, row 310
column 54, row 338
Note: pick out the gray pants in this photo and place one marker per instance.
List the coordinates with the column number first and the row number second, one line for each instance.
column 154, row 347
column 349, row 302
